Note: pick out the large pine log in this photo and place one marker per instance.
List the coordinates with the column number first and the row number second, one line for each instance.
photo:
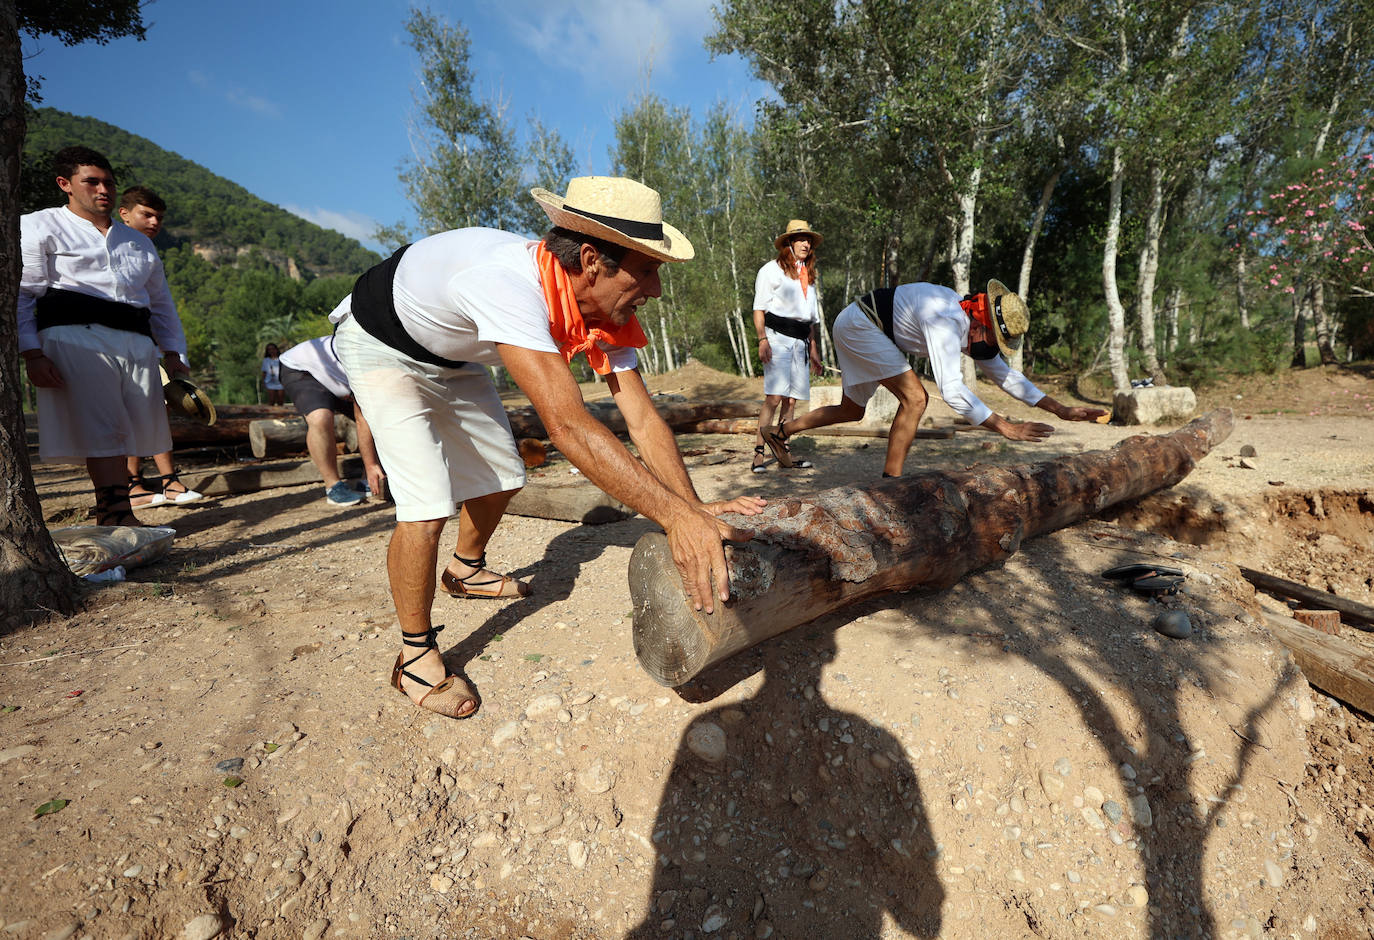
column 525, row 422
column 273, row 437
column 815, row 555
column 230, row 428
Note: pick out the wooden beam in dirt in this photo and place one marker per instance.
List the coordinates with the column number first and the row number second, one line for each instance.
column 273, row 437
column 1338, row 667
column 1360, row 616
column 572, row 499
column 250, row 478
column 525, row 422
column 751, row 426
column 815, row 555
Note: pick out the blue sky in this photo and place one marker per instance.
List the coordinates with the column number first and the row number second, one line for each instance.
column 309, row 104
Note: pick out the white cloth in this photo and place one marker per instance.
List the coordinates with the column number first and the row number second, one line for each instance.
column 442, row 434
column 788, row 373
column 461, row 292
column 111, row 403
column 318, row 357
column 780, row 295
column 926, row 321
column 271, row 373
column 64, row 251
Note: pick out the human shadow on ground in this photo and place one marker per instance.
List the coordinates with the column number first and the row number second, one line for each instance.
column 811, row 822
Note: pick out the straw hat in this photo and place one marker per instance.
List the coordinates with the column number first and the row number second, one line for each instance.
column 1010, row 317
column 619, row 210
column 797, row 227
column 186, row 399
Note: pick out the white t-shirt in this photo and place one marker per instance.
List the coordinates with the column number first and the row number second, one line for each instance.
column 317, row 357
column 64, row 251
column 271, row 371
column 461, row 292
column 928, row 321
column 780, row 295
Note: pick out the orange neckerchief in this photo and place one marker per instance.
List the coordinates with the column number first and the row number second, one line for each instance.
column 976, row 306
column 803, row 275
column 565, row 320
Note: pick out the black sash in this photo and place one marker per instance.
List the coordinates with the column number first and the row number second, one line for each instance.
column 73, row 308
column 877, row 306
column 797, row 329
column 374, row 308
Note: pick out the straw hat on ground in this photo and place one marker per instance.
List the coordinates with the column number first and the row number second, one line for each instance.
column 187, row 399
column 619, row 210
column 797, row 227
column 1010, row 317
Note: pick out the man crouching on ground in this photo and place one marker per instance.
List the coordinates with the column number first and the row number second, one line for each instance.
column 414, row 337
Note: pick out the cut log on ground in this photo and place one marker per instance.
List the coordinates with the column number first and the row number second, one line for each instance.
column 569, row 498
column 812, row 556
column 524, row 422
column 274, row 437
column 751, row 426
column 1360, row 616
column 1338, row 667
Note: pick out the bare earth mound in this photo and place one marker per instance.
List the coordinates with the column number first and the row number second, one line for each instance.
column 1021, row 755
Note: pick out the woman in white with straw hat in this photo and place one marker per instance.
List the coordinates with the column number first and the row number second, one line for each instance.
column 875, row 334
column 786, row 318
column 413, row 338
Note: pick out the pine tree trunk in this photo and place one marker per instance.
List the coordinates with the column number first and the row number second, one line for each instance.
column 1299, row 330
column 34, row 580
column 1176, row 299
column 1028, row 253
column 1321, row 325
column 1116, row 313
column 1242, row 301
column 1149, row 270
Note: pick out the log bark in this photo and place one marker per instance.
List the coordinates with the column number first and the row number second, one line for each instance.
column 1360, row 616
column 812, row 556
column 525, row 423
column 230, row 429
column 1338, row 667
column 273, row 437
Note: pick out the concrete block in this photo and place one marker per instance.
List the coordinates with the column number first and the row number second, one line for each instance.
column 882, row 407
column 1152, row 405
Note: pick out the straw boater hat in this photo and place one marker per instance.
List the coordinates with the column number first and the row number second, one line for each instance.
column 1010, row 317
column 186, row 399
column 797, row 227
column 619, row 210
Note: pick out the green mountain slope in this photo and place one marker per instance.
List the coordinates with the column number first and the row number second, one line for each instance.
column 204, row 209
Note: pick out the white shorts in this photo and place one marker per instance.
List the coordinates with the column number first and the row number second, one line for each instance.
column 442, row 434
column 865, row 354
column 789, row 373
column 111, row 405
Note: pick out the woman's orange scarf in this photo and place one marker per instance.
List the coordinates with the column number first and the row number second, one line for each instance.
column 565, row 320
column 803, row 275
column 976, row 306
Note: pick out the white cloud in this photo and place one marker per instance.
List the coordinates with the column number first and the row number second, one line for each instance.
column 621, row 42
column 353, row 224
column 236, row 95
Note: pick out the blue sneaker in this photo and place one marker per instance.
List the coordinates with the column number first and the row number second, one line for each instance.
column 341, row 494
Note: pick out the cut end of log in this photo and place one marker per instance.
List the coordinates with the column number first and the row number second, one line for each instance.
column 670, row 639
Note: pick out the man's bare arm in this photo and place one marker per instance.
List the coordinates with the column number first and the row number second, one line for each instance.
column 693, row 535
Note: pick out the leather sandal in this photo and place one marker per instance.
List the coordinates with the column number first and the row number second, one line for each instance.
column 147, row 497
column 760, row 464
column 186, row 495
column 112, row 506
column 455, row 586
column 776, row 440
column 445, row 698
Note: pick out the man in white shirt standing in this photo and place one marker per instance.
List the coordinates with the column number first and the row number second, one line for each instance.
column 315, row 381
column 94, row 311
column 874, row 335
column 414, row 336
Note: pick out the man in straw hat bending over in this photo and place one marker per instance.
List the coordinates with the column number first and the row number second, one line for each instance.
column 414, row 336
column 874, row 335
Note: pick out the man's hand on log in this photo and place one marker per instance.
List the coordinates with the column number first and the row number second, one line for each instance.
column 744, row 505
column 699, row 554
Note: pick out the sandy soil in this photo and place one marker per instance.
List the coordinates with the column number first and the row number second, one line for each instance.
column 1021, row 755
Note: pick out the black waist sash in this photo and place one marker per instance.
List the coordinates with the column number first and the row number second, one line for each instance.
column 374, row 307
column 73, row 308
column 877, row 306
column 797, row 329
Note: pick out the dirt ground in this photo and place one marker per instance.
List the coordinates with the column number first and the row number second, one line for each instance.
column 1020, row 755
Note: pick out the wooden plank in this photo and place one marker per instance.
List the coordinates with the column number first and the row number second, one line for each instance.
column 1340, row 668
column 250, row 478
column 1360, row 616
